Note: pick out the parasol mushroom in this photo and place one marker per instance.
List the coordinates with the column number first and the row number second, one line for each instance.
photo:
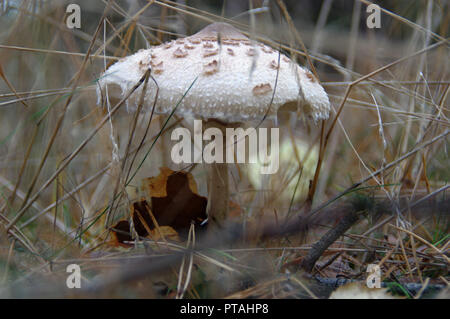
column 236, row 80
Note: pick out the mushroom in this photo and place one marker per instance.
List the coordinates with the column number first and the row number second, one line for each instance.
column 235, row 80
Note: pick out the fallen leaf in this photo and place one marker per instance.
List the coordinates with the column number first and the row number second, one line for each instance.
column 121, row 233
column 156, row 186
column 174, row 204
column 165, row 231
column 177, row 204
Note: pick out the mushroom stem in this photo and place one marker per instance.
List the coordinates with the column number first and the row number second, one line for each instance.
column 218, row 194
column 218, row 185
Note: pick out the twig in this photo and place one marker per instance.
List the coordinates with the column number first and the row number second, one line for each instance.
column 330, row 237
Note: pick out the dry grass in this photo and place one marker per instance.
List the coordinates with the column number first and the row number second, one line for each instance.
column 69, row 170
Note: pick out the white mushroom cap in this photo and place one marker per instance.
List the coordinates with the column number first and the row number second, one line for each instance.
column 234, row 78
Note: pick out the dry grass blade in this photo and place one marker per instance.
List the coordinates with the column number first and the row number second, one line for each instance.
column 182, row 287
column 84, row 55
column 56, row 129
column 74, row 153
column 433, row 247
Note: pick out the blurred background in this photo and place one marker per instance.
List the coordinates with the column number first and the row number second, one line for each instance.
column 56, row 195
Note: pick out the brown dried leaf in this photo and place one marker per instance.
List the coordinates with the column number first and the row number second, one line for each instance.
column 181, row 205
column 174, row 204
column 121, row 233
column 165, row 231
column 156, row 186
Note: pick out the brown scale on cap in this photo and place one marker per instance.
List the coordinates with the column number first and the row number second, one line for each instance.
column 208, row 53
column 208, row 45
column 156, row 65
column 251, row 52
column 179, row 41
column 144, row 61
column 157, row 68
column 143, row 64
column 195, row 41
column 168, row 45
column 285, row 59
column 230, row 51
column 211, row 67
column 189, row 46
column 180, row 53
column 209, row 39
column 231, row 42
column 274, row 65
column 261, row 89
column 266, row 49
